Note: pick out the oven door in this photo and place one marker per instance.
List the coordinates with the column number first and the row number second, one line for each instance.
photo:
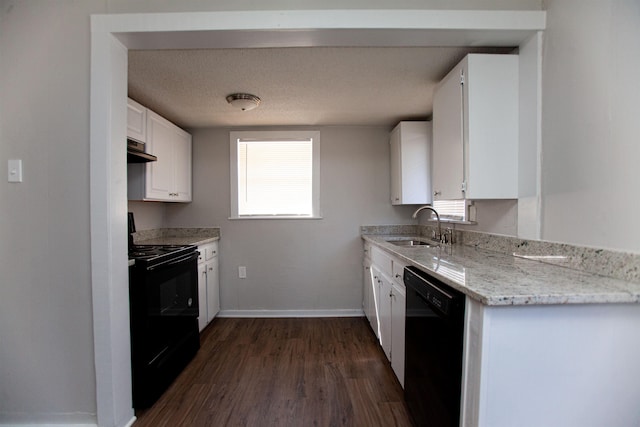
column 172, row 288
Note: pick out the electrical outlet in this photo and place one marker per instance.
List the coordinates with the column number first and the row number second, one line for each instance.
column 242, row 272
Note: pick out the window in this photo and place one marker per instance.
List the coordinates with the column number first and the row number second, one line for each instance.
column 455, row 210
column 275, row 174
column 461, row 210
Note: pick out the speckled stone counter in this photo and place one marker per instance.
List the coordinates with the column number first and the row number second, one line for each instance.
column 495, row 278
column 177, row 236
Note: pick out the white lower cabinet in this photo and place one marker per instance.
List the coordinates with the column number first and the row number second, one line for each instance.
column 385, row 304
column 208, row 284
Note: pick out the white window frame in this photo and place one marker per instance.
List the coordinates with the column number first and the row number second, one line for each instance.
column 313, row 135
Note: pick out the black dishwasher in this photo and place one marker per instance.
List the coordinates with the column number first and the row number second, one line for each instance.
column 433, row 350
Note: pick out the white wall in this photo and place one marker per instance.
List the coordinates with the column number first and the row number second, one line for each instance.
column 296, row 264
column 148, row 215
column 46, row 339
column 493, row 216
column 590, row 125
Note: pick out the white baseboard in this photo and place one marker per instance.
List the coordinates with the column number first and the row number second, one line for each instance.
column 59, row 424
column 291, row 313
column 2, row 424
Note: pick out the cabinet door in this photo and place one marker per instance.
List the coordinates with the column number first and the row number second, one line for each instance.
column 160, row 174
column 396, row 167
column 136, row 121
column 202, row 296
column 385, row 315
column 491, row 126
column 448, row 122
column 367, row 279
column 182, row 166
column 410, row 154
column 374, row 301
column 213, row 289
column 398, row 310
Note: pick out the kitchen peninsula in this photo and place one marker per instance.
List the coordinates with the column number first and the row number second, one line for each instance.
column 543, row 344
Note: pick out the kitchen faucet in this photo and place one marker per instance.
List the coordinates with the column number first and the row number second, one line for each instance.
column 415, row 215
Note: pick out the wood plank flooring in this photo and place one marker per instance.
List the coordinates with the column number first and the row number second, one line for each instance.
column 283, row 372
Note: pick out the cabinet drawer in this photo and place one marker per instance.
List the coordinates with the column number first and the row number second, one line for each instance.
column 208, row 251
column 211, row 251
column 382, row 260
column 367, row 251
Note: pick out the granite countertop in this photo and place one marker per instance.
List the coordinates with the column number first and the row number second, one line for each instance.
column 177, row 236
column 495, row 278
column 178, row 240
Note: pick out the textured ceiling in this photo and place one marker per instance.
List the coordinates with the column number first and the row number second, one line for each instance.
column 297, row 86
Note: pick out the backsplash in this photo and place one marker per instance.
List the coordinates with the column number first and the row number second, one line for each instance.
column 156, row 233
column 620, row 265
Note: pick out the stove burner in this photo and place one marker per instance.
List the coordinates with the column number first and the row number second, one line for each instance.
column 142, row 249
column 136, row 254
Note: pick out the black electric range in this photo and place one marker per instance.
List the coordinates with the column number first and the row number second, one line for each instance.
column 163, row 309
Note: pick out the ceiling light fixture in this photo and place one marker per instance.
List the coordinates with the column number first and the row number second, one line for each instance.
column 243, row 101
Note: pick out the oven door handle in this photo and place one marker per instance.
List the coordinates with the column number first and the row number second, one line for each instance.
column 183, row 259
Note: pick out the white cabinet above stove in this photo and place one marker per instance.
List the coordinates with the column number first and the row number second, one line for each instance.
column 169, row 178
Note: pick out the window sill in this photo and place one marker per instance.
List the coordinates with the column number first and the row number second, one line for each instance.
column 453, row 221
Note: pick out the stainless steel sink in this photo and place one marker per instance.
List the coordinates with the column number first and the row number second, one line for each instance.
column 410, row 242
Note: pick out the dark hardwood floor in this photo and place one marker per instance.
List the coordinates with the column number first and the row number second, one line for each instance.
column 283, row 372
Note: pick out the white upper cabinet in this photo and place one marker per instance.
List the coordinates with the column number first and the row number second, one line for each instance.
column 136, row 121
column 169, row 178
column 475, row 130
column 410, row 158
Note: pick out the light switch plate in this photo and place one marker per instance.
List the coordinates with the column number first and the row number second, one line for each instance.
column 15, row 170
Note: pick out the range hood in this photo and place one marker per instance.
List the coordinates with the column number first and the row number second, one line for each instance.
column 136, row 153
